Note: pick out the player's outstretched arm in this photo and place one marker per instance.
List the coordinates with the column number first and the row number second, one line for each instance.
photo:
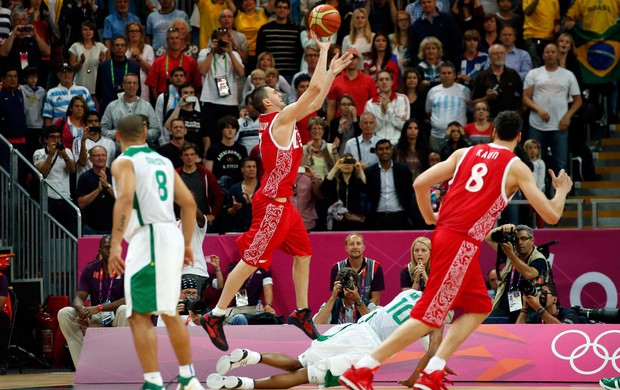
column 125, row 180
column 184, row 198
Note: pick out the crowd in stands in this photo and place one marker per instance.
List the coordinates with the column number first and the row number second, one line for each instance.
column 428, row 77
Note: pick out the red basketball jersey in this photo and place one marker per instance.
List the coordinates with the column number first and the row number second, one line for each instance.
column 280, row 163
column 476, row 194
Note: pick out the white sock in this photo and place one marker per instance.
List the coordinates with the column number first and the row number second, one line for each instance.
column 368, row 362
column 218, row 312
column 254, row 357
column 154, row 378
column 187, row 371
column 435, row 364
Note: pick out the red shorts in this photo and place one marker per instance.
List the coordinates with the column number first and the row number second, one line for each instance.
column 455, row 281
column 275, row 225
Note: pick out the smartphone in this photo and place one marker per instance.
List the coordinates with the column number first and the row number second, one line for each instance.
column 191, row 99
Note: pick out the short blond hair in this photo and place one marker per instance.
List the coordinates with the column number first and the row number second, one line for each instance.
column 430, row 41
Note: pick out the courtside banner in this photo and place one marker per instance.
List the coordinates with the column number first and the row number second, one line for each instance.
column 598, row 54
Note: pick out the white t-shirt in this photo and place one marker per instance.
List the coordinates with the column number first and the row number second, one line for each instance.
column 221, row 65
column 447, row 105
column 58, row 177
column 552, row 91
column 107, row 143
column 200, row 265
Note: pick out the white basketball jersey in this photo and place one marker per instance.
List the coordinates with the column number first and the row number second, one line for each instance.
column 386, row 319
column 154, row 196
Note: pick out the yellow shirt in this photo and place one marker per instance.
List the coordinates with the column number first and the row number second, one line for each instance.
column 249, row 25
column 597, row 15
column 209, row 19
column 540, row 24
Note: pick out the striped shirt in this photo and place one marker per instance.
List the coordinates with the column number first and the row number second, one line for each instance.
column 447, row 105
column 5, row 24
column 282, row 41
column 58, row 98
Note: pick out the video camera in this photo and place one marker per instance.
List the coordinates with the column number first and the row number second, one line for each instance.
column 195, row 305
column 346, row 282
column 604, row 315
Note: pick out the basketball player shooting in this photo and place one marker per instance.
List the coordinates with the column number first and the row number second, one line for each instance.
column 483, row 177
column 275, row 222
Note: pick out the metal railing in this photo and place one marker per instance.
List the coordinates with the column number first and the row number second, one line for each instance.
column 578, row 202
column 595, row 203
column 44, row 249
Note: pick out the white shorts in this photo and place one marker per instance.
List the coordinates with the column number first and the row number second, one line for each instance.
column 337, row 349
column 153, row 269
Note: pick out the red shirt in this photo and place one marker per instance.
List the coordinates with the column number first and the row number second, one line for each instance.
column 362, row 88
column 302, row 127
column 280, row 163
column 162, row 66
column 478, row 184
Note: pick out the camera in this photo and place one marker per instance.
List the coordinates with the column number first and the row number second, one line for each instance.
column 605, row 315
column 501, row 237
column 195, row 305
column 222, row 43
column 94, row 129
column 346, row 282
column 191, row 99
column 528, row 288
column 348, row 160
column 24, row 29
column 60, row 147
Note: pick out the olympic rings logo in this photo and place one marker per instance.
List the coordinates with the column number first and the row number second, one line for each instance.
column 598, row 349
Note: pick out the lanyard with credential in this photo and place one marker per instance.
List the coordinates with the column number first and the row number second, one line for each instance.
column 112, row 71
column 180, row 64
column 215, row 65
column 101, row 287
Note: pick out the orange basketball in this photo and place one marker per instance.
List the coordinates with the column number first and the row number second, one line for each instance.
column 324, row 20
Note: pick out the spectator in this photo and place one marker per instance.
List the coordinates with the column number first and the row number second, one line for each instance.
column 547, row 92
column 360, row 36
column 265, row 61
column 415, row 273
column 301, row 85
column 202, row 183
column 91, row 136
column 72, row 124
column 114, row 25
column 258, row 286
column 492, row 282
column 351, row 81
column 169, row 99
column 437, row 24
column 188, row 110
column 280, row 37
column 141, row 52
column 33, row 98
column 544, row 308
column 6, row 315
column 412, row 148
column 248, row 22
column 381, row 58
column 247, row 135
column 390, row 190
column 506, row 16
column 111, row 73
column 95, row 196
column 516, row 58
column 540, row 23
column 469, row 14
column 390, row 109
column 415, row 91
column 24, row 47
column 161, row 70
column 479, row 131
column 446, row 103
column 85, row 56
column 209, row 14
column 72, row 14
column 56, row 164
column 346, row 304
column 363, row 145
column 130, row 103
column 319, row 155
column 522, row 257
column 13, row 125
column 107, row 302
column 414, row 9
column 370, row 272
column 400, row 40
column 490, row 33
column 430, row 54
column 158, row 22
column 472, row 61
column 532, row 149
column 343, row 187
column 58, row 98
column 455, row 139
column 220, row 66
column 224, row 157
column 592, row 16
column 346, row 126
column 172, row 150
column 189, row 49
column 239, row 39
column 311, row 59
column 240, row 208
column 499, row 86
column 381, row 15
column 5, row 24
column 306, row 192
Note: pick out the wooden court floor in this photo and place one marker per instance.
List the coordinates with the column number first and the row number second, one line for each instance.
column 65, row 381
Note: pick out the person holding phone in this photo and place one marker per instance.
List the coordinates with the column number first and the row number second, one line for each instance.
column 91, row 137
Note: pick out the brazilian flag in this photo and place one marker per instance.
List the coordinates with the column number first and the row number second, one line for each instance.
column 598, row 54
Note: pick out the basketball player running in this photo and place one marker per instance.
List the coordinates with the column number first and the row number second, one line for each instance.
column 328, row 357
column 275, row 222
column 146, row 186
column 483, row 179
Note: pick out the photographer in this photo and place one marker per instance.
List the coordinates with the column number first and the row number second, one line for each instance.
column 523, row 262
column 544, row 309
column 343, row 186
column 345, row 305
column 189, row 306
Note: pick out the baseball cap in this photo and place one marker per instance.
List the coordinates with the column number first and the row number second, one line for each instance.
column 65, row 66
column 354, row 51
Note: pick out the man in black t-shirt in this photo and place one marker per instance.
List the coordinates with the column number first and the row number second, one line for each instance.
column 188, row 109
column 224, row 158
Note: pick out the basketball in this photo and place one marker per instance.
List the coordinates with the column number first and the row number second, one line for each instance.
column 324, row 20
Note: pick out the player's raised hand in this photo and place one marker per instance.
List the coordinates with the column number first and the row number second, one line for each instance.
column 323, row 45
column 562, row 181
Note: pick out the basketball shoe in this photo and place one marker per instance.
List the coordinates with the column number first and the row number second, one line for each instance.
column 217, row 381
column 151, row 386
column 436, row 380
column 357, row 378
column 237, row 358
column 610, row 383
column 214, row 326
column 189, row 383
column 303, row 320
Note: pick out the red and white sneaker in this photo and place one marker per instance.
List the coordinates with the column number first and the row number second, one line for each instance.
column 436, row 380
column 357, row 378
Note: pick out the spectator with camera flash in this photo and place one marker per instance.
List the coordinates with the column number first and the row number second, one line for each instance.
column 544, row 308
column 345, row 305
column 523, row 263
